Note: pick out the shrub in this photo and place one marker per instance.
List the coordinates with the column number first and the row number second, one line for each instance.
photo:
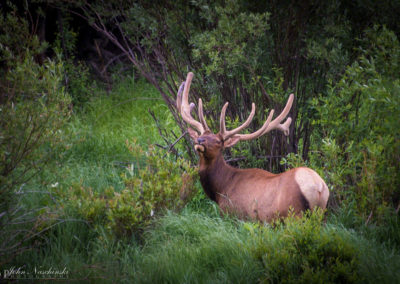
column 303, row 250
column 355, row 145
column 33, row 107
column 359, row 152
column 153, row 183
column 30, row 119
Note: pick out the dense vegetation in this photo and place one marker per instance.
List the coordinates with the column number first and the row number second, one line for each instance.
column 97, row 183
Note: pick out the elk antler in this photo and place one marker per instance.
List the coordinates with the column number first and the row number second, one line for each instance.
column 222, row 129
column 182, row 103
column 269, row 125
column 276, row 123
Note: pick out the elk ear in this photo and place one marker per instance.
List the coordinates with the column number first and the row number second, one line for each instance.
column 193, row 134
column 231, row 141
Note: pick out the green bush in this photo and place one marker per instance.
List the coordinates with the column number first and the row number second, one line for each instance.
column 30, row 119
column 33, row 108
column 154, row 183
column 303, row 250
column 360, row 148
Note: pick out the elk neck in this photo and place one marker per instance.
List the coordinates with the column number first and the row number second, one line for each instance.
column 215, row 175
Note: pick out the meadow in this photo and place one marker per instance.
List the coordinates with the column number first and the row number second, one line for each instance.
column 190, row 243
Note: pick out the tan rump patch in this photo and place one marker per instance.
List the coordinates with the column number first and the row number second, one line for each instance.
column 311, row 185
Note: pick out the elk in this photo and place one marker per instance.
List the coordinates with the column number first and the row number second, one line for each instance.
column 249, row 193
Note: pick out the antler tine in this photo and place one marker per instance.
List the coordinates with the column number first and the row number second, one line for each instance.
column 258, row 133
column 226, row 134
column 284, row 127
column 185, row 109
column 201, row 116
column 267, row 127
column 222, row 128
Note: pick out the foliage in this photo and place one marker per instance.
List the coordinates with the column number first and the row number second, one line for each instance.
column 16, row 38
column 77, row 78
column 78, row 82
column 211, row 248
column 359, row 152
column 229, row 48
column 33, row 107
column 152, row 184
column 304, row 251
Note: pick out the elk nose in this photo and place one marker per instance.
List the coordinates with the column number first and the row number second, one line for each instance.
column 200, row 140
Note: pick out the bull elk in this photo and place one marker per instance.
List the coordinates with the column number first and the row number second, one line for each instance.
column 249, row 193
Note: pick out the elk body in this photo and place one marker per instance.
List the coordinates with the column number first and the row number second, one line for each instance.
column 249, row 193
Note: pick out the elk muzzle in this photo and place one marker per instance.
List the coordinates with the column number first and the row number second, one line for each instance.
column 199, row 147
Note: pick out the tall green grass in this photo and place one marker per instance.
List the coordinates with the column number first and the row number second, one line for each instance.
column 108, row 120
column 196, row 248
column 95, row 138
column 197, row 245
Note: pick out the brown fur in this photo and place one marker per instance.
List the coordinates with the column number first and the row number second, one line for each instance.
column 255, row 193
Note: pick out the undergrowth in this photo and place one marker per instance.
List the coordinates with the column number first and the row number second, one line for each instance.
column 197, row 246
